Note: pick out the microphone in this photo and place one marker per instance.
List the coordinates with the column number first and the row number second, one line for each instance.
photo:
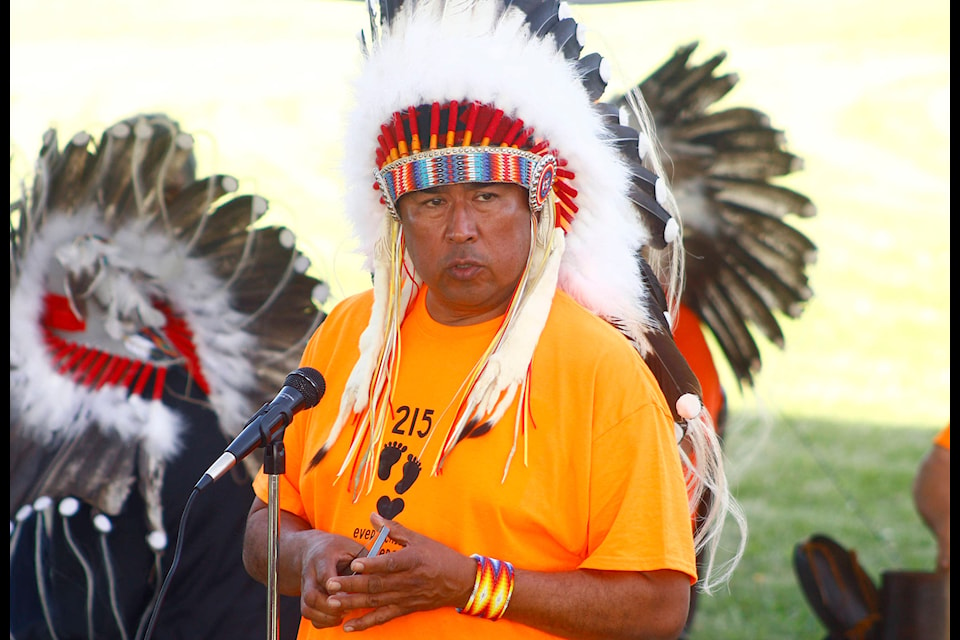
column 302, row 389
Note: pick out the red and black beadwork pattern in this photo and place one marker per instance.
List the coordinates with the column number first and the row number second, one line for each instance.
column 95, row 368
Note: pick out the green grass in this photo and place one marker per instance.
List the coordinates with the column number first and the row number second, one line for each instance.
column 813, row 476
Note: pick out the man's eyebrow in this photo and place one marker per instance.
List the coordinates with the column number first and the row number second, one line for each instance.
column 484, row 185
column 473, row 186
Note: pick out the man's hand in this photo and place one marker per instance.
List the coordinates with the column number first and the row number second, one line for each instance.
column 323, row 557
column 423, row 575
column 307, row 559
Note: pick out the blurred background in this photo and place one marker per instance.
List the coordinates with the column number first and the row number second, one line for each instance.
column 861, row 89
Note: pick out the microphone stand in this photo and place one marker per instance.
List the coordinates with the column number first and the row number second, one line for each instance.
column 274, row 464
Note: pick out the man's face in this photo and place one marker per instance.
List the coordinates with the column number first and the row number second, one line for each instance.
column 469, row 242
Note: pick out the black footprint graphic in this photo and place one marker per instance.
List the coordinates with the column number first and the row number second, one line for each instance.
column 388, row 508
column 388, row 457
column 411, row 469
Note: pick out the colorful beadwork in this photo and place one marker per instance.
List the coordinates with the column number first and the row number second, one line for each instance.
column 492, row 589
column 469, row 142
column 469, row 164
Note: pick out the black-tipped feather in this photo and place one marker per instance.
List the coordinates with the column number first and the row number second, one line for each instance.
column 717, row 123
column 655, row 216
column 688, row 84
column 542, row 16
column 670, row 368
column 182, row 218
column 666, row 362
column 609, row 113
column 627, row 140
column 589, row 69
column 565, row 35
column 756, row 164
column 71, row 174
column 232, row 218
column 113, row 168
column 653, row 286
column 770, row 199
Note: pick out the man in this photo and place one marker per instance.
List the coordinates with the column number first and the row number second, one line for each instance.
column 488, row 400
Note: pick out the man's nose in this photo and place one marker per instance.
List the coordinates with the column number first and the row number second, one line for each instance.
column 462, row 224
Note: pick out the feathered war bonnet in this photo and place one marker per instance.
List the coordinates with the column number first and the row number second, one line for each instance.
column 491, row 91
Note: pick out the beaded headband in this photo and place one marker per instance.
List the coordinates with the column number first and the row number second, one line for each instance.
column 453, row 166
column 506, row 152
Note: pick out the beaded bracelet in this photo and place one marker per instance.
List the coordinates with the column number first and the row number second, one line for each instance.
column 492, row 589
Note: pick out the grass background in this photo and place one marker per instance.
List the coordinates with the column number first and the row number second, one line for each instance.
column 832, row 434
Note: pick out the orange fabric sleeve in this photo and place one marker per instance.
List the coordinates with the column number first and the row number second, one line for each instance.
column 942, row 439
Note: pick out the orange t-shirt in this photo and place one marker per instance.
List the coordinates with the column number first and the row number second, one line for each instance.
column 596, row 483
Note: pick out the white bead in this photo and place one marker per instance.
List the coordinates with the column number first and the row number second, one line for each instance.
column 605, row 70
column 320, row 292
column 69, row 506
column 102, row 523
column 660, row 190
column 643, row 148
column 689, row 406
column 157, row 540
column 670, row 231
column 301, row 264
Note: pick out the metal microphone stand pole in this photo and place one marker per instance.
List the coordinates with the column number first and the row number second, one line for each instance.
column 274, row 464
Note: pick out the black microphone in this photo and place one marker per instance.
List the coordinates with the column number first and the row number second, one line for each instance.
column 302, row 389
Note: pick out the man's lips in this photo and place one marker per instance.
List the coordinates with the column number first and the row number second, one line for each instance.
column 463, row 269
